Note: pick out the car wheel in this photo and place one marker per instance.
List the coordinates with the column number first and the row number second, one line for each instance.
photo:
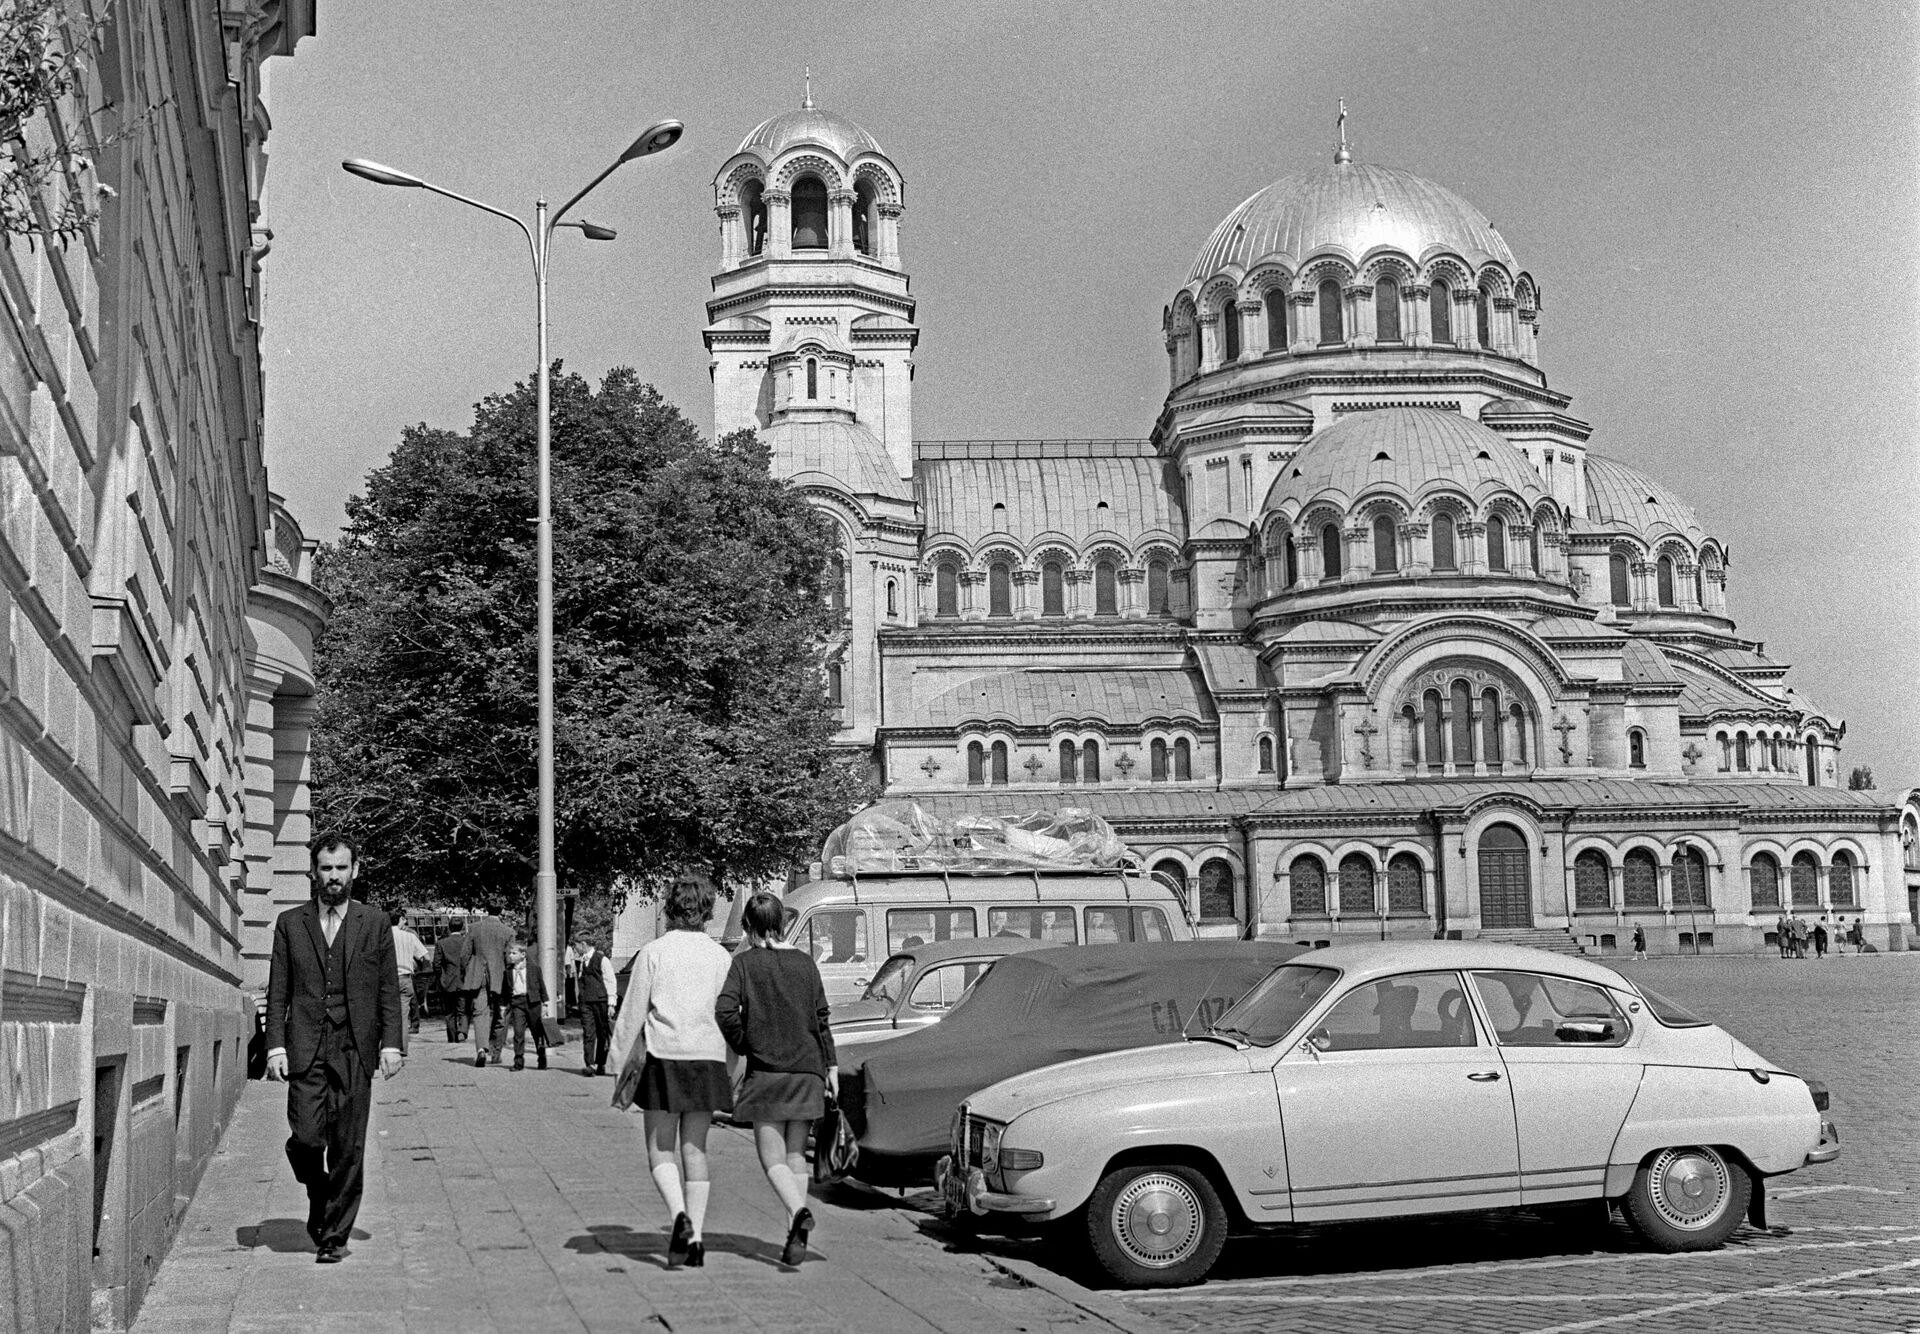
column 1156, row 1227
column 1688, row 1199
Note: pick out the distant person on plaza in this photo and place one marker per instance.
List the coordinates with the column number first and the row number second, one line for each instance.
column 773, row 1011
column 1796, row 937
column 333, row 1015
column 1639, row 942
column 570, row 960
column 524, row 997
column 487, row 939
column 1820, row 939
column 410, row 954
column 1783, row 936
column 597, row 987
column 1838, row 936
column 450, row 968
column 1858, row 934
column 669, row 1009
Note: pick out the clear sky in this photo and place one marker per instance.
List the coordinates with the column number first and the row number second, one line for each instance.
column 1720, row 202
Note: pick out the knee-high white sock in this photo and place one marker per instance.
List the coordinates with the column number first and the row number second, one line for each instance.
column 697, row 1192
column 788, row 1187
column 666, row 1179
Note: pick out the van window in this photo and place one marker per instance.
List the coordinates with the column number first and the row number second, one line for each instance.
column 911, row 927
column 1126, row 926
column 1054, row 924
column 833, row 935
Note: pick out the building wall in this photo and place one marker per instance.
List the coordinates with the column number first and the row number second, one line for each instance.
column 134, row 522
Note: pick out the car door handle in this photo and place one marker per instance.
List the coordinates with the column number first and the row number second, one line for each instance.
column 1484, row 1076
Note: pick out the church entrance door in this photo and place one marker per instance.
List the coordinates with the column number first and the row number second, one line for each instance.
column 1506, row 887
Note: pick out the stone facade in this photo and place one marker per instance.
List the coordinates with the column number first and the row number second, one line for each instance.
column 1364, row 637
column 158, row 636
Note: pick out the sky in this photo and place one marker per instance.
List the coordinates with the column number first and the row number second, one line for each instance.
column 1721, row 203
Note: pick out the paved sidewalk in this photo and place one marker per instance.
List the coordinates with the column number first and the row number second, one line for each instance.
column 521, row 1203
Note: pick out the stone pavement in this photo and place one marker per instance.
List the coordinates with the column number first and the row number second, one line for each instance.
column 498, row 1201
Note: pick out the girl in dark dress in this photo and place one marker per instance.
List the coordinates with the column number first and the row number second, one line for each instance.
column 773, row 1011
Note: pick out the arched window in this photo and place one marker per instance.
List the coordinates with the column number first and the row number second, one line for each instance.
column 999, row 764
column 1277, row 339
column 1665, row 576
column 1742, row 755
column 1726, row 752
column 1293, row 562
column 1194, row 348
column 1386, row 544
column 1483, row 317
column 1636, row 748
column 1441, row 307
column 1053, row 589
column 1443, row 554
column 1764, row 879
column 1174, row 875
column 1182, row 761
column 1000, row 589
column 1804, row 878
column 1533, row 550
column 1356, row 886
column 1813, row 762
column 1157, row 761
column 1330, row 551
column 946, row 589
column 1699, row 589
column 1307, row 887
column 1639, row 880
column 1386, row 311
column 1090, row 762
column 753, row 212
column 1331, row 326
column 1266, row 754
column 999, row 517
column 976, row 764
column 1519, row 716
column 837, row 583
column 1406, row 884
column 1497, row 544
column 1689, row 879
column 1069, row 762
column 1618, row 585
column 835, row 690
column 1490, row 726
column 863, row 199
column 1460, row 705
column 1106, row 590
column 813, row 378
column 809, row 214
column 893, row 598
column 1230, row 330
column 1157, row 604
column 1591, row 888
column 1431, row 733
column 1217, row 897
column 1840, row 880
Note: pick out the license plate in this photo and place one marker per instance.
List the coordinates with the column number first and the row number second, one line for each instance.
column 953, row 1189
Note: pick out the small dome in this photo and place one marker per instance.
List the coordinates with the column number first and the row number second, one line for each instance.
column 1355, row 207
column 1408, row 449
column 837, row 450
column 810, row 125
column 1623, row 497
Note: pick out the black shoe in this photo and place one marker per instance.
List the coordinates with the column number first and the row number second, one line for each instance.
column 681, row 1239
column 696, row 1255
column 331, row 1255
column 519, row 1064
column 479, row 1060
column 796, row 1248
column 543, row 1060
column 600, row 1069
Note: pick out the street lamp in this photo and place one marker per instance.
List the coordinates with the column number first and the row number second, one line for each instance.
column 653, row 139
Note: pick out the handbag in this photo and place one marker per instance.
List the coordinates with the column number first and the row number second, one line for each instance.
column 627, row 1087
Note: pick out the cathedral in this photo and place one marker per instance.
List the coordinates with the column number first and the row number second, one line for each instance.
column 1365, row 637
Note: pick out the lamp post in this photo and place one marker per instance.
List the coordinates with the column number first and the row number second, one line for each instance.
column 653, row 139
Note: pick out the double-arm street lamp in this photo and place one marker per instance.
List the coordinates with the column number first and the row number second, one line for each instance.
column 539, row 238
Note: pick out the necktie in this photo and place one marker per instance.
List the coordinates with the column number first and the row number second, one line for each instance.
column 330, row 923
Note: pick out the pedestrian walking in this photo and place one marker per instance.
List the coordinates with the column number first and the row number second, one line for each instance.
column 1783, row 936
column 450, row 969
column 333, row 1015
column 570, row 960
column 409, row 955
column 669, row 1008
column 597, row 986
column 1797, row 936
column 487, row 939
column 523, row 996
column 1639, row 941
column 1858, row 933
column 1838, row 937
column 1820, row 939
column 773, row 1011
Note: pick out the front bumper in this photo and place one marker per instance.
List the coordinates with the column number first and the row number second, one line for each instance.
column 970, row 1193
column 1829, row 1146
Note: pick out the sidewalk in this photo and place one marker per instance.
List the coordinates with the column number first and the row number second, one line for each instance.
column 520, row 1203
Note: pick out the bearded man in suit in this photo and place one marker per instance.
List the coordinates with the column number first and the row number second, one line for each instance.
column 333, row 1014
column 487, row 940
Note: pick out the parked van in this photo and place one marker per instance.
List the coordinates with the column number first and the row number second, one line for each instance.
column 852, row 926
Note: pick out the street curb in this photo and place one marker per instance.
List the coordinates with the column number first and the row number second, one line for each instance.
column 1095, row 1304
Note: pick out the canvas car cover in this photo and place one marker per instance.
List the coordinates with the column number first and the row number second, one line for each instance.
column 1038, row 1009
column 894, row 836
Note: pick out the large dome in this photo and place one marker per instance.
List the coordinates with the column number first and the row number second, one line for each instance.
column 1623, row 497
column 1355, row 208
column 810, row 125
column 1408, row 450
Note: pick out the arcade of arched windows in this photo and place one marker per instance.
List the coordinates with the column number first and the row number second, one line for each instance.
column 1082, row 759
column 1453, row 721
column 1673, row 577
column 1363, row 882
column 1053, row 583
column 1377, row 539
column 1685, row 876
column 1769, row 749
column 807, row 204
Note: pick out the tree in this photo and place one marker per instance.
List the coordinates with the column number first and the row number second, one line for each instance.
column 1861, row 779
column 692, row 729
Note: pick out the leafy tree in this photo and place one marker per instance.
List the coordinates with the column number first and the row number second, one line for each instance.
column 1861, row 779
column 692, row 730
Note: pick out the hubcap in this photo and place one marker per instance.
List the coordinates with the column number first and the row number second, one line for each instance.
column 1157, row 1220
column 1690, row 1187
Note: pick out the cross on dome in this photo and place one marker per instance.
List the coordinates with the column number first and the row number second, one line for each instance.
column 1343, row 154
column 806, row 103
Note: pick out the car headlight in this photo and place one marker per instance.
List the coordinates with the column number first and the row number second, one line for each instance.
column 990, row 1146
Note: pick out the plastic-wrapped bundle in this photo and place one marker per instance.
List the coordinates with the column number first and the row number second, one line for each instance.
column 896, row 836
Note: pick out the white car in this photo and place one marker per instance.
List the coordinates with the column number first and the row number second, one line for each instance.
column 1368, row 1081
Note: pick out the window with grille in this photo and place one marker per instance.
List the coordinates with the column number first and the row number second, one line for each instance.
column 1356, row 886
column 1689, row 879
column 1840, row 880
column 1805, row 878
column 1216, row 889
column 1591, row 890
column 1406, row 884
column 1307, row 887
column 1639, row 880
column 1765, row 881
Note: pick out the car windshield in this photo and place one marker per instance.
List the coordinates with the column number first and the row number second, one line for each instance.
column 1278, row 1002
column 890, row 983
column 1671, row 1013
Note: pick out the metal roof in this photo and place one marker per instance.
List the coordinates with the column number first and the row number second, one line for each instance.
column 1411, row 450
column 1623, row 497
column 1038, row 695
column 810, row 125
column 845, row 451
column 1058, row 494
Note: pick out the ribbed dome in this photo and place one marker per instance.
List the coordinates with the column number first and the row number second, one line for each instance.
column 1422, row 447
column 1623, row 497
column 810, row 125
column 844, row 451
column 1356, row 207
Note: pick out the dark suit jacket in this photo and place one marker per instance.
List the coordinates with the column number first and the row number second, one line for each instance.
column 536, row 985
column 487, row 939
column 297, row 985
column 450, row 961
